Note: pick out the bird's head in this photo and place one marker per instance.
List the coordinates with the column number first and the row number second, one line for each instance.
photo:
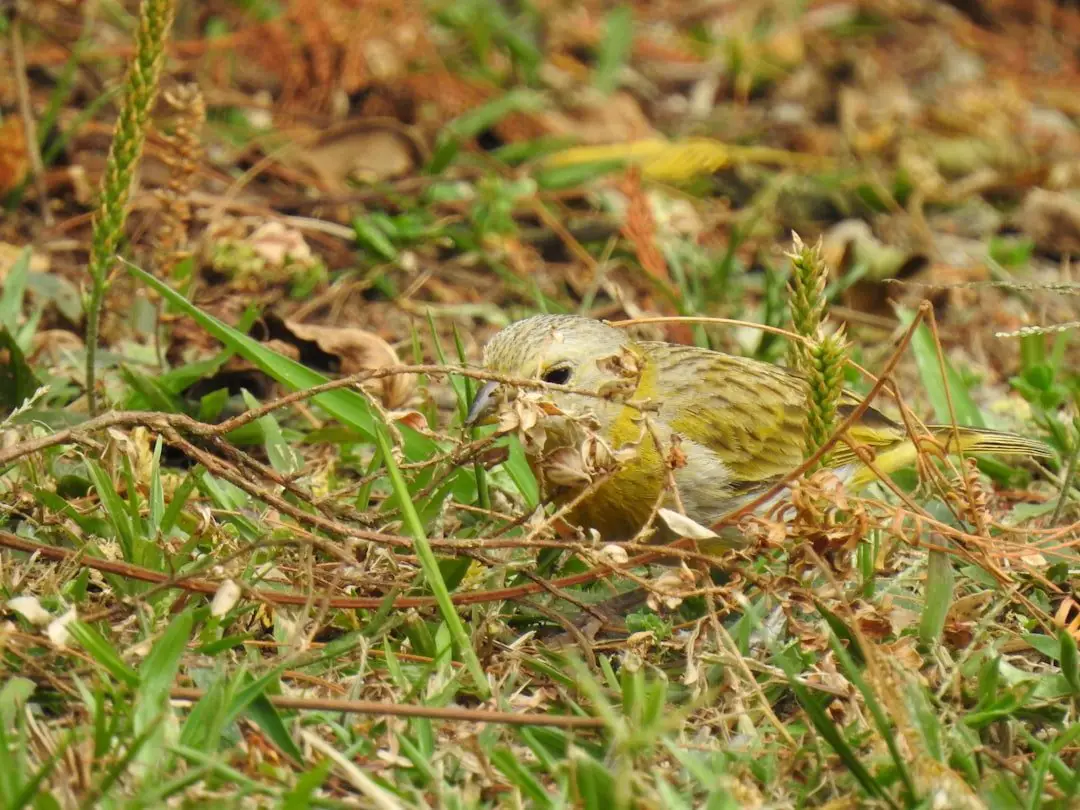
column 560, row 349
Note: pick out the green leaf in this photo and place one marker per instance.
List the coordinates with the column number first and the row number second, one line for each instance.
column 429, row 564
column 116, row 509
column 370, row 236
column 302, row 793
column 1004, row 706
column 176, row 505
column 211, row 405
column 420, row 760
column 208, row 717
column 283, row 458
column 53, row 288
column 594, row 783
column 347, row 406
column 1070, row 666
column 17, row 380
column 1047, row 645
column 632, row 682
column 827, row 729
column 158, row 671
column 267, row 717
column 842, row 632
column 881, row 721
column 103, row 652
column 14, row 289
column 939, row 388
column 517, row 465
column 928, row 722
column 614, row 49
column 13, row 697
column 989, row 680
column 577, row 174
column 938, row 598
column 31, row 787
column 520, row 777
column 156, row 397
column 467, row 126
column 472, row 123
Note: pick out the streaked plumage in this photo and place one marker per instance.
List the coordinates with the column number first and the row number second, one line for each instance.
column 740, row 423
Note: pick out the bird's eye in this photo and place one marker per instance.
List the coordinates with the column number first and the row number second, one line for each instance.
column 559, row 375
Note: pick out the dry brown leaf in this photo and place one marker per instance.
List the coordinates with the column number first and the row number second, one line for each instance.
column 1052, row 220
column 971, row 606
column 9, row 254
column 905, row 651
column 614, row 119
column 413, row 419
column 360, row 151
column 1067, row 616
column 51, row 345
column 14, row 157
column 276, row 243
column 852, row 242
column 565, row 467
column 668, row 589
column 359, row 350
column 683, row 159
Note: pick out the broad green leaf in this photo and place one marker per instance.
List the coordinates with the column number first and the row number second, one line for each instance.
column 348, row 406
column 938, row 597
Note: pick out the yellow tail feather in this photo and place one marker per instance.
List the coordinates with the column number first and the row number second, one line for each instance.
column 981, row 440
column 971, row 440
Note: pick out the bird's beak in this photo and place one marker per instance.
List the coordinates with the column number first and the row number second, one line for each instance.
column 482, row 405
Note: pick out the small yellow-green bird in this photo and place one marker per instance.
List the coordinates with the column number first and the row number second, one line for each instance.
column 739, row 424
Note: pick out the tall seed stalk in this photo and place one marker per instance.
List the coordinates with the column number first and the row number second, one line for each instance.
column 140, row 91
column 822, row 357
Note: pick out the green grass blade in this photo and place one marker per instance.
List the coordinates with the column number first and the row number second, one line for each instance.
column 884, row 728
column 103, row 652
column 520, row 777
column 26, row 794
column 11, row 300
column 156, row 498
column 347, row 406
column 267, row 717
column 827, row 729
column 283, row 458
column 302, row 793
column 940, row 582
column 614, row 49
column 158, row 671
column 940, row 388
column 116, row 510
column 430, row 565
column 475, row 121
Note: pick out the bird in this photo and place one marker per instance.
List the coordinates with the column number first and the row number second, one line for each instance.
column 738, row 425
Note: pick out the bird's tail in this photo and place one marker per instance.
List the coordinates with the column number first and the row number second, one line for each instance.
column 982, row 440
column 953, row 440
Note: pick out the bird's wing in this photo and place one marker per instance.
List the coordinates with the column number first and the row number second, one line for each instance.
column 751, row 414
